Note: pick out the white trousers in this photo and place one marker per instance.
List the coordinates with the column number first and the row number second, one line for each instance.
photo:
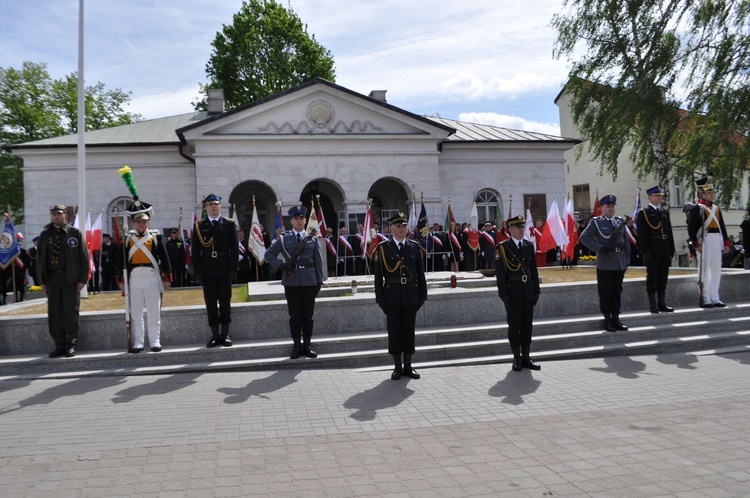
column 145, row 286
column 713, row 246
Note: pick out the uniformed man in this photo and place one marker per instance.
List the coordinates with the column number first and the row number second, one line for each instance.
column 487, row 238
column 605, row 235
column 296, row 254
column 62, row 271
column 149, row 274
column 709, row 236
column 244, row 270
column 657, row 247
column 33, row 251
column 518, row 287
column 400, row 290
column 214, row 251
column 109, row 263
column 177, row 252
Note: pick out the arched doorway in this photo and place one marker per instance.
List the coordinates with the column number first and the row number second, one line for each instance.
column 328, row 195
column 389, row 196
column 241, row 204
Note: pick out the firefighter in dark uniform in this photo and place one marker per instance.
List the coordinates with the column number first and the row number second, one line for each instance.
column 176, row 251
column 297, row 255
column 400, row 290
column 657, row 247
column 518, row 287
column 214, row 251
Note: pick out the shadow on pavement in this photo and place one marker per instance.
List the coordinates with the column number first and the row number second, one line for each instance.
column 387, row 394
column 162, row 385
column 258, row 387
column 623, row 366
column 680, row 361
column 515, row 386
column 76, row 387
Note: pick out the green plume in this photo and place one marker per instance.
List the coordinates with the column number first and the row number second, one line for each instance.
column 127, row 177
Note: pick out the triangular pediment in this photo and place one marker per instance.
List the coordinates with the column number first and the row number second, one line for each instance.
column 318, row 109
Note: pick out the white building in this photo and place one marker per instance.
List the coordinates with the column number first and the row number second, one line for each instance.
column 316, row 139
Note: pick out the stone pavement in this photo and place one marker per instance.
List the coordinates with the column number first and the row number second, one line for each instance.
column 667, row 425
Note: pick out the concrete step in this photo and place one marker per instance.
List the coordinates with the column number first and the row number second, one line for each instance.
column 689, row 329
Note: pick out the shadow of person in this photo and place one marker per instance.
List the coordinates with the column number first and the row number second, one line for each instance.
column 739, row 357
column 77, row 387
column 8, row 385
column 387, row 394
column 258, row 387
column 163, row 385
column 686, row 361
column 515, row 386
column 623, row 366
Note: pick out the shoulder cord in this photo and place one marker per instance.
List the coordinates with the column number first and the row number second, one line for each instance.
column 204, row 243
column 648, row 222
column 388, row 268
column 519, row 265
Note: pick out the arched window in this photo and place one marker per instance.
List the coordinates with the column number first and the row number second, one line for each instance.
column 116, row 214
column 487, row 201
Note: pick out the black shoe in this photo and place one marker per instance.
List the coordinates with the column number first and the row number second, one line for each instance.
column 156, row 349
column 516, row 363
column 411, row 373
column 70, row 352
column 609, row 326
column 618, row 324
column 720, row 305
column 396, row 374
column 529, row 363
column 57, row 353
column 135, row 350
column 306, row 351
column 215, row 341
column 709, row 305
column 295, row 353
column 226, row 341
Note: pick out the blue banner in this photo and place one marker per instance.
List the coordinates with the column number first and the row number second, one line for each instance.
column 8, row 244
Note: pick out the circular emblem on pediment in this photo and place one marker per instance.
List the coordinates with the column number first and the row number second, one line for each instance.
column 320, row 113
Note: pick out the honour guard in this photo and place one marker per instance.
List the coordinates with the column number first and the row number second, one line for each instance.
column 400, row 290
column 214, row 251
column 149, row 274
column 657, row 247
column 518, row 287
column 708, row 235
column 605, row 235
column 296, row 254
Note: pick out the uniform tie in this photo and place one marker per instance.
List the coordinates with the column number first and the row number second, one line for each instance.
column 400, row 248
column 299, row 237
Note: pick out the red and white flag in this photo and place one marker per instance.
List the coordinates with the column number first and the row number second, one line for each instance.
column 96, row 234
column 89, row 242
column 471, row 229
column 570, row 230
column 553, row 234
column 255, row 239
column 369, row 243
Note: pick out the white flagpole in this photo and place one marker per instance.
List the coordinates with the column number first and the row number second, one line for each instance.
column 81, row 129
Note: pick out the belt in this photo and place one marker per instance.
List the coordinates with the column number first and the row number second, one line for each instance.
column 400, row 281
column 55, row 271
column 713, row 230
column 520, row 278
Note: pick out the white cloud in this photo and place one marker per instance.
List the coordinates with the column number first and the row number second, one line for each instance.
column 511, row 122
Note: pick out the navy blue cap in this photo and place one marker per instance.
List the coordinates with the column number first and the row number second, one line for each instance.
column 655, row 191
column 608, row 199
column 297, row 210
column 212, row 198
column 517, row 221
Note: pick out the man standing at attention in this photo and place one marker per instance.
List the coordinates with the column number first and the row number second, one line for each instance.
column 605, row 235
column 62, row 271
column 214, row 251
column 296, row 254
column 400, row 290
column 708, row 234
column 657, row 247
column 518, row 287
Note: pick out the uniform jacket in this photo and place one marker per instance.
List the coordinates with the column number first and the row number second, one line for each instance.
column 214, row 251
column 399, row 280
column 655, row 232
column 158, row 250
column 176, row 252
column 76, row 255
column 308, row 270
column 511, row 266
column 612, row 251
column 109, row 254
column 696, row 218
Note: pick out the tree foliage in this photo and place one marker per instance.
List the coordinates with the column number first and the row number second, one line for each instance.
column 667, row 77
column 264, row 51
column 33, row 106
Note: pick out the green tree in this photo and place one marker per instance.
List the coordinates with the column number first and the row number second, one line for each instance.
column 33, row 106
column 264, row 51
column 657, row 75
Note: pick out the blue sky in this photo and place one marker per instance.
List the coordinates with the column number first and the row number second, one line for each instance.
column 485, row 61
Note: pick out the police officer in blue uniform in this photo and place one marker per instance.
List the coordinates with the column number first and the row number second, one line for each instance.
column 214, row 251
column 400, row 290
column 605, row 235
column 297, row 255
column 657, row 246
column 518, row 287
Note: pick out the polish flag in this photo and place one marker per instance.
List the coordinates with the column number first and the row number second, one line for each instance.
column 570, row 230
column 553, row 234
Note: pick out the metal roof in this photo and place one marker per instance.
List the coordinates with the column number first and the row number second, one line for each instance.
column 473, row 132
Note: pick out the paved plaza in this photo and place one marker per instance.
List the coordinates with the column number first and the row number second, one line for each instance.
column 668, row 425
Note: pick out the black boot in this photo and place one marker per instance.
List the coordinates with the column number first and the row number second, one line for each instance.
column 526, row 361
column 609, row 325
column 225, row 340
column 215, row 337
column 652, row 302
column 617, row 323
column 516, row 358
column 408, row 370
column 397, row 370
column 296, row 349
column 306, row 349
column 663, row 305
